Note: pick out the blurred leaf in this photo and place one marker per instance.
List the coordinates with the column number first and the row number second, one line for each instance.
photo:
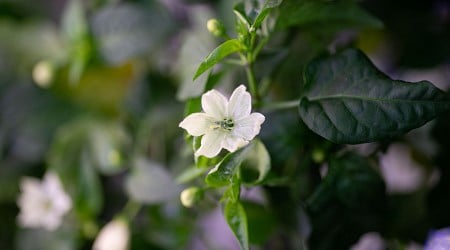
column 268, row 6
column 75, row 31
column 256, row 164
column 71, row 159
column 347, row 100
column 39, row 239
column 122, row 32
column 237, row 220
column 222, row 51
column 350, row 201
column 102, row 89
column 196, row 44
column 150, row 183
column 328, row 14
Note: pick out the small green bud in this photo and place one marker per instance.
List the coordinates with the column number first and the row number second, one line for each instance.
column 215, row 27
column 190, row 196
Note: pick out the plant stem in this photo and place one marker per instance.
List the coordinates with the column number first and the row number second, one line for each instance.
column 281, row 105
column 131, row 209
column 252, row 82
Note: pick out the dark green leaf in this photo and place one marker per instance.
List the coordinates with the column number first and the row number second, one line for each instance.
column 338, row 14
column 222, row 51
column 348, row 100
column 237, row 220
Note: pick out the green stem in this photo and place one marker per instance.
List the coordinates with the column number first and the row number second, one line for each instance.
column 281, row 105
column 131, row 209
column 252, row 82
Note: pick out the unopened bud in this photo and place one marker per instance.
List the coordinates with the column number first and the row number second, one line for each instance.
column 190, row 196
column 215, row 27
column 43, row 73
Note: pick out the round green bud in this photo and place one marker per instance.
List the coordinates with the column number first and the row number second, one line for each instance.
column 190, row 196
column 215, row 27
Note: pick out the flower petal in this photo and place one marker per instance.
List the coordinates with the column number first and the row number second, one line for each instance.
column 248, row 127
column 197, row 124
column 211, row 144
column 232, row 143
column 215, row 104
column 240, row 103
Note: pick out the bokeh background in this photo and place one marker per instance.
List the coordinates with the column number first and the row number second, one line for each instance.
column 94, row 90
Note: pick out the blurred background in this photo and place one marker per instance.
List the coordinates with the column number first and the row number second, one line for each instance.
column 94, row 91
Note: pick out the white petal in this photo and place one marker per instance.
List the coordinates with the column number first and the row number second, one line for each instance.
column 232, row 143
column 215, row 104
column 197, row 124
column 248, row 127
column 240, row 103
column 211, row 144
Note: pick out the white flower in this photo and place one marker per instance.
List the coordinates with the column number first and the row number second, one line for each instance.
column 400, row 171
column 42, row 204
column 224, row 124
column 114, row 236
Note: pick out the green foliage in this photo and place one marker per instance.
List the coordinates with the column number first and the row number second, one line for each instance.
column 219, row 53
column 348, row 100
column 95, row 93
column 326, row 15
column 237, row 220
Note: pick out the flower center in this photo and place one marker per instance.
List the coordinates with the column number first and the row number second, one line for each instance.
column 226, row 124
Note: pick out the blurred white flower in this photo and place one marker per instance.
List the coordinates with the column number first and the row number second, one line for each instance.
column 369, row 241
column 224, row 124
column 114, row 236
column 401, row 172
column 42, row 204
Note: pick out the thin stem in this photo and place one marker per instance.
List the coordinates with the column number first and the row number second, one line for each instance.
column 281, row 105
column 252, row 82
column 131, row 209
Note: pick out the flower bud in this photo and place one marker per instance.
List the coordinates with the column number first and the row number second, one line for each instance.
column 114, row 235
column 190, row 196
column 43, row 73
column 215, row 27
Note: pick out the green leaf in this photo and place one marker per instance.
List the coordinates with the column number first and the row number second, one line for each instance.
column 150, row 183
column 348, row 100
column 222, row 174
column 268, row 6
column 237, row 220
column 222, row 51
column 255, row 161
column 335, row 14
column 71, row 159
column 256, row 164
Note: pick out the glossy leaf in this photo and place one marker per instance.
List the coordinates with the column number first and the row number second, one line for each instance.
column 219, row 53
column 348, row 100
column 255, row 161
column 237, row 220
column 222, row 174
column 338, row 14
